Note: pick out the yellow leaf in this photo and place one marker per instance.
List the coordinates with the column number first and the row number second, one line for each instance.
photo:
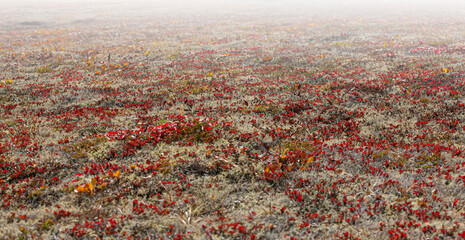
column 444, row 70
column 310, row 159
column 94, row 181
column 116, row 174
column 146, row 53
column 90, row 186
column 284, row 153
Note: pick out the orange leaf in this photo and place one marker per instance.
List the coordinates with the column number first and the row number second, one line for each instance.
column 90, row 186
column 116, row 174
column 273, row 167
column 81, row 189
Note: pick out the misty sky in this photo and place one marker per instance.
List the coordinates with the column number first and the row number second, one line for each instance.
column 61, row 11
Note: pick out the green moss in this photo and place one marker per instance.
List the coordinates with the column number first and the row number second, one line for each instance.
column 43, row 70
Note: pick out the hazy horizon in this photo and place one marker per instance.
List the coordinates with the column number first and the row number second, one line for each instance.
column 69, row 11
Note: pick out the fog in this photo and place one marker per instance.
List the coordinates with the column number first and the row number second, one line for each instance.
column 56, row 12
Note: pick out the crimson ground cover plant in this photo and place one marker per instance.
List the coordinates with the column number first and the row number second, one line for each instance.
column 232, row 130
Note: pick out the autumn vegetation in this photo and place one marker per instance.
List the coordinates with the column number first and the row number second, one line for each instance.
column 239, row 129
